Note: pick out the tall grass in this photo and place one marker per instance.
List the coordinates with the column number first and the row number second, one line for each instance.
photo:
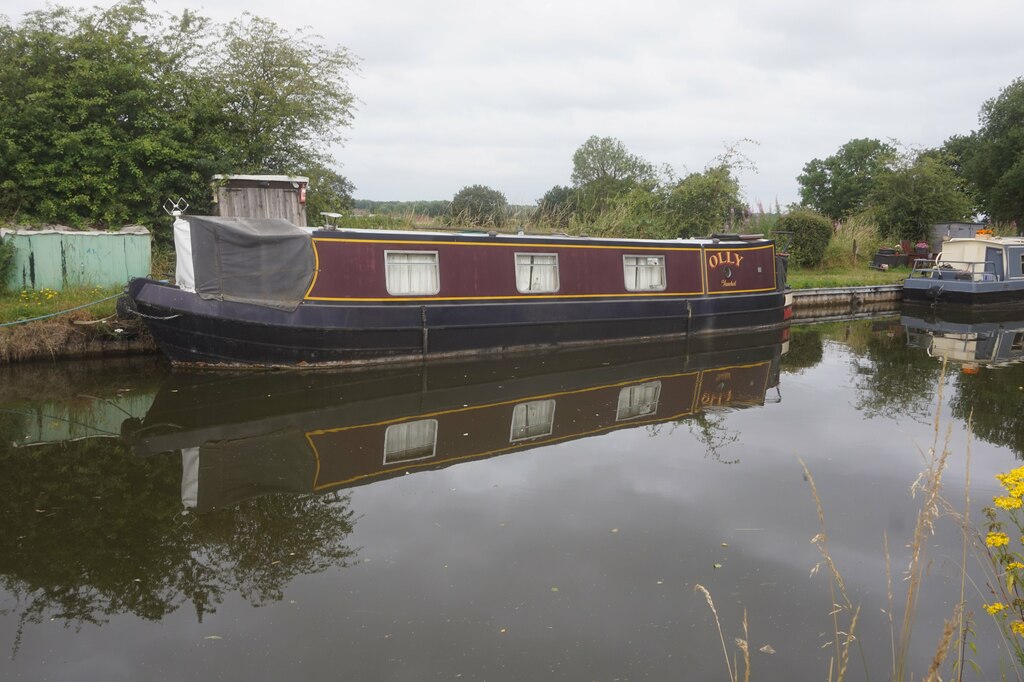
column 845, row 615
column 854, row 242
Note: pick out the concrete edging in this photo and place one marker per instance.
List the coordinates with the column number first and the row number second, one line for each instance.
column 821, row 303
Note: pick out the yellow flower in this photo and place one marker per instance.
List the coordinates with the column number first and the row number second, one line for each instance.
column 1013, row 481
column 993, row 609
column 997, row 539
column 1017, row 627
column 1008, row 502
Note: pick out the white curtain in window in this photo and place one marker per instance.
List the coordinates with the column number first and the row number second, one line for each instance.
column 536, row 272
column 410, row 441
column 638, row 400
column 533, row 419
column 644, row 273
column 412, row 273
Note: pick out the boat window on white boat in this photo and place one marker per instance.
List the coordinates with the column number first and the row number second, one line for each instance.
column 638, row 400
column 644, row 273
column 412, row 273
column 532, row 420
column 536, row 273
column 410, row 442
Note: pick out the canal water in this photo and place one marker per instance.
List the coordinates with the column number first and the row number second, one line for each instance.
column 540, row 517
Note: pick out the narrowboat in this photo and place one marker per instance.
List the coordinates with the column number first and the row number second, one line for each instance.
column 262, row 292
column 244, row 434
column 982, row 271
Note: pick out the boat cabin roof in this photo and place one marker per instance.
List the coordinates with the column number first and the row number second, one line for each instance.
column 484, row 235
column 985, row 241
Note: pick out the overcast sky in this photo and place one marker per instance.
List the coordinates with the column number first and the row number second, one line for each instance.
column 459, row 92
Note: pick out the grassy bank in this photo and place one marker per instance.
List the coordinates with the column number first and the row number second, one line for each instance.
column 848, row 276
column 66, row 330
column 26, row 305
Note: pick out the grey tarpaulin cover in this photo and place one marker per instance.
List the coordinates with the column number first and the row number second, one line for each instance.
column 265, row 261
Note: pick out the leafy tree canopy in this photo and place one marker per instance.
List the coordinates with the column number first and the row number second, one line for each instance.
column 104, row 113
column 921, row 191
column 328, row 191
column 283, row 95
column 605, row 158
column 995, row 155
column 842, row 184
column 603, row 169
column 557, row 206
column 703, row 203
column 480, row 205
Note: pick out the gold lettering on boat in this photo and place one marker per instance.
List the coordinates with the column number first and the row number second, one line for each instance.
column 725, row 258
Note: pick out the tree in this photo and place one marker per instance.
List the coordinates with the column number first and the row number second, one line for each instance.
column 328, row 191
column 480, row 205
column 556, row 207
column 995, row 164
column 842, row 184
column 702, row 203
column 605, row 158
column 284, row 96
column 104, row 114
column 956, row 153
column 96, row 116
column 919, row 193
column 602, row 169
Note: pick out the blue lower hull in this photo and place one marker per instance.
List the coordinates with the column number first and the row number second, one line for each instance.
column 964, row 292
column 192, row 330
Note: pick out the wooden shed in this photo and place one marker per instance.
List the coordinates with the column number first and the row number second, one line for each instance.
column 261, row 196
column 943, row 232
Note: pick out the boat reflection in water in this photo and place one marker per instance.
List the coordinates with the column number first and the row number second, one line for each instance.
column 970, row 340
column 248, row 434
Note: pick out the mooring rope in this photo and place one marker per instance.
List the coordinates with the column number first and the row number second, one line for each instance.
column 133, row 311
column 62, row 312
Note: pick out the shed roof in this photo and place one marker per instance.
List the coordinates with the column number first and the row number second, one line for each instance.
column 264, row 178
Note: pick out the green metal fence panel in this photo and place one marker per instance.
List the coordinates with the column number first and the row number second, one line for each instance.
column 57, row 259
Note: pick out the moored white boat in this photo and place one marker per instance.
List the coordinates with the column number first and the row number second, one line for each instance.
column 980, row 271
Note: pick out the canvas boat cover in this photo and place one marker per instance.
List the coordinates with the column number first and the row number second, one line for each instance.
column 263, row 261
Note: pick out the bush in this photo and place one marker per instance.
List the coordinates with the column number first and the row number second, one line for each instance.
column 810, row 235
column 479, row 206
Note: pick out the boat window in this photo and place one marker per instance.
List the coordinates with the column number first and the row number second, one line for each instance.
column 532, row 420
column 536, row 272
column 644, row 273
column 412, row 273
column 1018, row 342
column 410, row 442
column 638, row 400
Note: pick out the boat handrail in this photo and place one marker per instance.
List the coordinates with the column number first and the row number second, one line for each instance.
column 975, row 271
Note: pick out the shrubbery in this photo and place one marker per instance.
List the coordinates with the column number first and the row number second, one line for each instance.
column 810, row 232
column 480, row 206
column 106, row 113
